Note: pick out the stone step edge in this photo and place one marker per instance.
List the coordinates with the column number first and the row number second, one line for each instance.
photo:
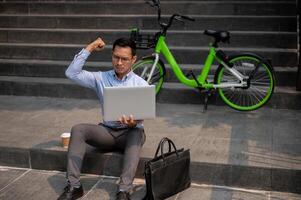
column 108, row 65
column 147, row 16
column 275, row 179
column 285, row 76
column 137, row 1
column 169, row 85
column 143, row 2
column 283, row 97
column 143, row 31
column 188, row 48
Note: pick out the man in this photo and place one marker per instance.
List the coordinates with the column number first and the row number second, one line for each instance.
column 126, row 134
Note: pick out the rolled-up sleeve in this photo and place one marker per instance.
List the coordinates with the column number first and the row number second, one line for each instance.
column 76, row 73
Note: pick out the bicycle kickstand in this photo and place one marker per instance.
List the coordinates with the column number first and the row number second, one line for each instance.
column 207, row 96
column 207, row 92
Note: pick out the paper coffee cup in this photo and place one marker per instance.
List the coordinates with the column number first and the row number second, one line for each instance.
column 65, row 139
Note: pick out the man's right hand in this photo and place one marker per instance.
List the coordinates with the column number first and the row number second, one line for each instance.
column 96, row 45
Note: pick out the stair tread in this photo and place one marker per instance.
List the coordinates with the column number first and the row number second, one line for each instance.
column 170, row 85
column 76, row 30
column 162, row 2
column 192, row 48
column 144, row 16
column 109, row 64
column 54, row 62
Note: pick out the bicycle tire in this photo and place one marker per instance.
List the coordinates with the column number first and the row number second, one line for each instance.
column 143, row 67
column 260, row 88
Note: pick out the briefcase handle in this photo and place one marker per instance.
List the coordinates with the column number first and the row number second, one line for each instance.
column 163, row 140
column 161, row 146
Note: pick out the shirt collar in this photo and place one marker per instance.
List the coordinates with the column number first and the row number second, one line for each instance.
column 126, row 77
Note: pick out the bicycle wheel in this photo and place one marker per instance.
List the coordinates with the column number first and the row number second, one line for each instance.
column 143, row 68
column 260, row 83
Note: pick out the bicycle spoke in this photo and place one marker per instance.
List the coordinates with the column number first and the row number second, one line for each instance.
column 255, row 97
column 261, row 77
column 231, row 97
column 144, row 71
column 260, row 83
column 238, row 97
column 260, row 92
column 155, row 77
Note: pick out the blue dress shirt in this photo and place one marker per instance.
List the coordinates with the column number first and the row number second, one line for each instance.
column 98, row 80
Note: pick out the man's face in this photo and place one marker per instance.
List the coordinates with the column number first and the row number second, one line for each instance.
column 122, row 60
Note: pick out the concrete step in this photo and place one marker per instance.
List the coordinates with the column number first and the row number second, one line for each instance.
column 50, row 185
column 221, row 22
column 140, row 7
column 283, row 97
column 243, row 149
column 252, row 39
column 187, row 55
column 285, row 76
column 191, row 0
column 95, row 1
column 110, row 164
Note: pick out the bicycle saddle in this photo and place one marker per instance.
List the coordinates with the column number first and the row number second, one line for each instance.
column 223, row 36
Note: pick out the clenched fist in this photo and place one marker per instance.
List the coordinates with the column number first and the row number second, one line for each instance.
column 96, row 45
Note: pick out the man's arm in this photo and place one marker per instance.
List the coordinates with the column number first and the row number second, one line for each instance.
column 75, row 72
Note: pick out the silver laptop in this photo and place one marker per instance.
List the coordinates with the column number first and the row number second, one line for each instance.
column 137, row 101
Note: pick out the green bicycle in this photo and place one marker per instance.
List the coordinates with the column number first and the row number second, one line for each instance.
column 244, row 81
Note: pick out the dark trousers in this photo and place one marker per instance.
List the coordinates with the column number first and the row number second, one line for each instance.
column 129, row 140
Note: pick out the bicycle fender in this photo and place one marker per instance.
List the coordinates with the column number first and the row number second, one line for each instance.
column 148, row 57
column 153, row 57
column 259, row 57
column 232, row 56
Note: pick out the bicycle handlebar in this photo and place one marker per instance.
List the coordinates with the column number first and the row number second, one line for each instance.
column 176, row 17
column 156, row 3
column 187, row 18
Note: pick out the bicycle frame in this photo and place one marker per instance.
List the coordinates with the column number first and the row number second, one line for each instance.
column 245, row 81
column 162, row 48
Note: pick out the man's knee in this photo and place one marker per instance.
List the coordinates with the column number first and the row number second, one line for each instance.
column 78, row 130
column 138, row 135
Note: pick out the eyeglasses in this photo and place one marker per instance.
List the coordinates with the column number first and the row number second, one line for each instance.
column 123, row 60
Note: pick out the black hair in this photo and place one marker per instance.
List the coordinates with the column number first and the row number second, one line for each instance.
column 124, row 42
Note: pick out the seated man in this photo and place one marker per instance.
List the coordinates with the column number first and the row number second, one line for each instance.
column 126, row 135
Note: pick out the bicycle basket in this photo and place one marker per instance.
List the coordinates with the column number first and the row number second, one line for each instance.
column 143, row 41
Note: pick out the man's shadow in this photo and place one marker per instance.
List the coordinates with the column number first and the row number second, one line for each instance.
column 95, row 187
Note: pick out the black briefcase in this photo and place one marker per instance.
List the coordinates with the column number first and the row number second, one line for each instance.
column 167, row 174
